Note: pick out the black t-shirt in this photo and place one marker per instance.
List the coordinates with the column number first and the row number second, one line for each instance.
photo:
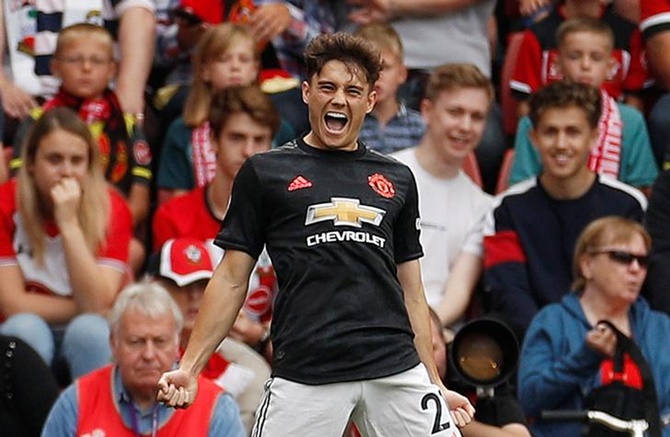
column 335, row 225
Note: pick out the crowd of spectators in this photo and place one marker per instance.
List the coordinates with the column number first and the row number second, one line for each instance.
column 124, row 124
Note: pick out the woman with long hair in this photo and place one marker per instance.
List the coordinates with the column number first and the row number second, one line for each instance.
column 64, row 237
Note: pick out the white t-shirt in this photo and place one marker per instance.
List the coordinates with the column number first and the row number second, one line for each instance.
column 452, row 217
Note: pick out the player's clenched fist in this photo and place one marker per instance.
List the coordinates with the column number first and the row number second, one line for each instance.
column 177, row 389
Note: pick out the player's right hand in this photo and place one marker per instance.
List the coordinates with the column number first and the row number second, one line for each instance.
column 177, row 389
column 462, row 410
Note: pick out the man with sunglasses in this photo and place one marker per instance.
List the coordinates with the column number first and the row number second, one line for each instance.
column 531, row 232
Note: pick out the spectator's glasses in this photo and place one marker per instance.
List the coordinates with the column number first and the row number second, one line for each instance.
column 624, row 257
column 96, row 61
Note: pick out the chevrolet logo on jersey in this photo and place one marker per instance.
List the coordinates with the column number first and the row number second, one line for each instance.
column 344, row 212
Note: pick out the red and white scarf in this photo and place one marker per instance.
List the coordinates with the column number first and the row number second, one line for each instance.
column 605, row 156
column 204, row 157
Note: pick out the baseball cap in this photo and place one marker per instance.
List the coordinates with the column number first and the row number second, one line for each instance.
column 183, row 260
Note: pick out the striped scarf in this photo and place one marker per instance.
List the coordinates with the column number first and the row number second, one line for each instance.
column 204, row 157
column 605, row 156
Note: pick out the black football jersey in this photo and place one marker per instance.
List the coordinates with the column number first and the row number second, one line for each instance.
column 335, row 224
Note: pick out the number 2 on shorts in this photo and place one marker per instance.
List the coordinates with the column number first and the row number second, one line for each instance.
column 437, row 426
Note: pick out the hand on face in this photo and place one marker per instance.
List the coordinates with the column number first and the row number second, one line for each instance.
column 66, row 197
column 602, row 339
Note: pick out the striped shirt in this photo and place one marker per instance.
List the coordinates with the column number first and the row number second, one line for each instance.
column 404, row 130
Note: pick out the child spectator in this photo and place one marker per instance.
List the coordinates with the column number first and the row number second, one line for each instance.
column 530, row 235
column 64, row 236
column 623, row 150
column 84, row 61
column 538, row 53
column 391, row 126
column 225, row 57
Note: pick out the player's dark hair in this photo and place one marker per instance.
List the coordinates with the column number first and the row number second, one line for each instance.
column 564, row 94
column 356, row 53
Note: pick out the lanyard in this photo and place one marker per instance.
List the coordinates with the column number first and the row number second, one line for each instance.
column 134, row 418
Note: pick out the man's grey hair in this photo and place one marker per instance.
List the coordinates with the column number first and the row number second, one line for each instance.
column 150, row 298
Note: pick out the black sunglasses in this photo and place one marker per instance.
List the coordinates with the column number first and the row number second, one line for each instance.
column 624, row 257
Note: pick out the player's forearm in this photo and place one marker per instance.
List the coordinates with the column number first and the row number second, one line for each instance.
column 222, row 301
column 420, row 319
column 409, row 275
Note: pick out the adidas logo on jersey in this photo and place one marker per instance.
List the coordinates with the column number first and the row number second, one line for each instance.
column 299, row 183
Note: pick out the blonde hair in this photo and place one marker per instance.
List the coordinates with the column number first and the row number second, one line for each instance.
column 94, row 210
column 83, row 31
column 587, row 25
column 383, row 36
column 455, row 76
column 216, row 41
column 603, row 232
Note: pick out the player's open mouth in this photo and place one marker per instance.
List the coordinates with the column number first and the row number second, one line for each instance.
column 335, row 121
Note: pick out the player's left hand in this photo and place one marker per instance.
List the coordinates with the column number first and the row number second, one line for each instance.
column 462, row 410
